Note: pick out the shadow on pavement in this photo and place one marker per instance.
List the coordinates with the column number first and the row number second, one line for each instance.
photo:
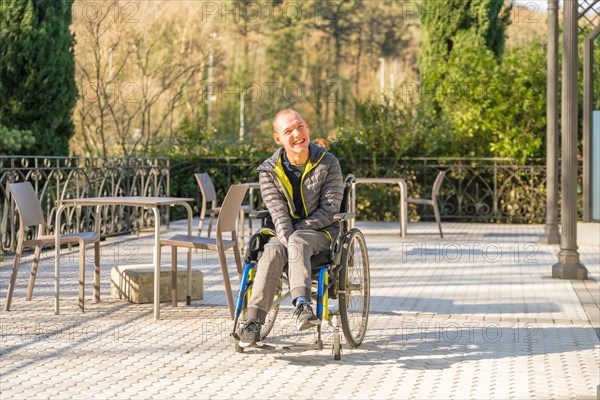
column 425, row 349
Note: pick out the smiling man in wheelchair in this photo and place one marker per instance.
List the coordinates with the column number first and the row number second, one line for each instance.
column 302, row 188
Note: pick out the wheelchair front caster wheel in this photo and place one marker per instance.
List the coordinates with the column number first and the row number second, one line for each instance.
column 234, row 337
column 238, row 348
column 337, row 347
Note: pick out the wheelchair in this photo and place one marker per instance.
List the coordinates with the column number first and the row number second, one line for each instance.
column 341, row 274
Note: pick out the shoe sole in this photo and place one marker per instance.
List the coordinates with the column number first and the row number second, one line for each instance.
column 250, row 344
column 308, row 324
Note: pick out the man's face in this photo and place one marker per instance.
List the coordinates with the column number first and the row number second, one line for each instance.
column 292, row 133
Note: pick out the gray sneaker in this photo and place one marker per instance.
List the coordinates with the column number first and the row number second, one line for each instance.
column 305, row 317
column 250, row 334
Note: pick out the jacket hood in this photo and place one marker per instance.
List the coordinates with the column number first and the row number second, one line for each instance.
column 315, row 153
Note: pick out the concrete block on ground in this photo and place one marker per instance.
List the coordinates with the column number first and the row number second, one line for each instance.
column 136, row 283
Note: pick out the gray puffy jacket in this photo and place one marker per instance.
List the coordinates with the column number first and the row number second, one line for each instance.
column 322, row 188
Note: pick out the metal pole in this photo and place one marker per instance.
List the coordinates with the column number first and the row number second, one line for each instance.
column 551, row 233
column 588, row 78
column 588, row 124
column 568, row 265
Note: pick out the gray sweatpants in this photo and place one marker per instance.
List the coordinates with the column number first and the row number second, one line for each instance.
column 302, row 245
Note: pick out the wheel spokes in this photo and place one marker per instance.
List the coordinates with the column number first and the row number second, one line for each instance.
column 355, row 288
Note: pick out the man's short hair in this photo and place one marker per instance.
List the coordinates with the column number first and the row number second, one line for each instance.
column 283, row 112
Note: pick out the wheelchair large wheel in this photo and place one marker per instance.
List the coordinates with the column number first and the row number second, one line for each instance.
column 354, row 293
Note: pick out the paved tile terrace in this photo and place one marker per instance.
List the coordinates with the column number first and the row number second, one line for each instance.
column 473, row 315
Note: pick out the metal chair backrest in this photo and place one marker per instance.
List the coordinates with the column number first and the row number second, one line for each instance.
column 437, row 184
column 230, row 209
column 206, row 187
column 28, row 205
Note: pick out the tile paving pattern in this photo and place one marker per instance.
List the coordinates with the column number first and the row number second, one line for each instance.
column 475, row 315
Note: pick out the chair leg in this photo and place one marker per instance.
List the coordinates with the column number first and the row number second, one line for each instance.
column 437, row 218
column 238, row 259
column 210, row 224
column 33, row 274
column 81, row 276
column 249, row 226
column 200, row 225
column 226, row 281
column 174, row 276
column 96, row 272
column 13, row 276
column 201, row 219
column 241, row 241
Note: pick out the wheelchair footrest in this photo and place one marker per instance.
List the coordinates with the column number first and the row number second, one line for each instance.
column 316, row 345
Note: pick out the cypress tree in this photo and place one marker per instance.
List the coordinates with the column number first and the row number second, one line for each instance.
column 443, row 22
column 37, row 72
column 472, row 32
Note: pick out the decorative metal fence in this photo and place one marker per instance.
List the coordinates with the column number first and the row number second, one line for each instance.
column 482, row 190
column 57, row 178
column 474, row 189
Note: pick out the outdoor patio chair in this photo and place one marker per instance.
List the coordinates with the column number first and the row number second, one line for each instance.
column 226, row 223
column 437, row 184
column 209, row 195
column 31, row 214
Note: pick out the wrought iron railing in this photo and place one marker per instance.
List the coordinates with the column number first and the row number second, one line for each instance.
column 483, row 189
column 474, row 189
column 56, row 178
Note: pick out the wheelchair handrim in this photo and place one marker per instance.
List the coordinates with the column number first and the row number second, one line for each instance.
column 354, row 288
